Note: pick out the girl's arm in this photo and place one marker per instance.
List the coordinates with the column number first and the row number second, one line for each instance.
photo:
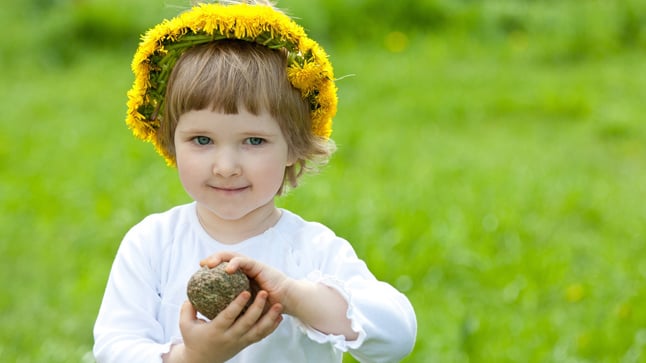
column 126, row 329
column 319, row 306
column 316, row 305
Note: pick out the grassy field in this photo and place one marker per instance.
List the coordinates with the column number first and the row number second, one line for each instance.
column 498, row 180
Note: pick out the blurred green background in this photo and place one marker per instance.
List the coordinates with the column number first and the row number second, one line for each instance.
column 490, row 166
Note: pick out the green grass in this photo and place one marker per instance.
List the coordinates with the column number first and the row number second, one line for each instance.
column 499, row 183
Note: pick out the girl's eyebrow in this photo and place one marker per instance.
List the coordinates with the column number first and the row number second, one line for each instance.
column 258, row 133
column 192, row 130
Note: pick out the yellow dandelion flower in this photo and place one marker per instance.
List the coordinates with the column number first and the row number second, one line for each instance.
column 304, row 77
column 327, row 96
column 321, row 125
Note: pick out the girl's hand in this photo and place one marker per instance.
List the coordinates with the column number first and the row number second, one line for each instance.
column 224, row 336
column 269, row 279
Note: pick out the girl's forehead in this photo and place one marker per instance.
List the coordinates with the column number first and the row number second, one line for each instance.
column 240, row 122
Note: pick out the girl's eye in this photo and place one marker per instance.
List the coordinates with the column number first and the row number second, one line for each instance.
column 202, row 140
column 255, row 141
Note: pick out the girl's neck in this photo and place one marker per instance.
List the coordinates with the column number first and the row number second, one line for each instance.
column 235, row 231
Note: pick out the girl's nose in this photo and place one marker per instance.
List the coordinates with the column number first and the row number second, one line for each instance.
column 226, row 163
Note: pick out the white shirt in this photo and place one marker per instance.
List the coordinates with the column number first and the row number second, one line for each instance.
column 139, row 316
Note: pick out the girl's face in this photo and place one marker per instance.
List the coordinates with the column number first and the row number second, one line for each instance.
column 231, row 164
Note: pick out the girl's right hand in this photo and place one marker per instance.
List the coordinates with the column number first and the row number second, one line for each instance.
column 224, row 336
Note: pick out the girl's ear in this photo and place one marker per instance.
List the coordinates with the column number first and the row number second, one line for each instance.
column 290, row 162
column 291, row 159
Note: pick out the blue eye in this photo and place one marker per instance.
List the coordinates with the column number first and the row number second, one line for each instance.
column 202, row 140
column 255, row 141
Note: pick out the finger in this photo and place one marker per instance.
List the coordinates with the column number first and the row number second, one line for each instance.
column 216, row 258
column 234, row 264
column 188, row 316
column 266, row 325
column 187, row 312
column 253, row 313
column 247, row 265
column 228, row 316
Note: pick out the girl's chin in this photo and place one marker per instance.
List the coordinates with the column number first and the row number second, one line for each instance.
column 235, row 213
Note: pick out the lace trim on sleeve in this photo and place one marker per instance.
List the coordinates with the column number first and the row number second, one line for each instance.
column 357, row 320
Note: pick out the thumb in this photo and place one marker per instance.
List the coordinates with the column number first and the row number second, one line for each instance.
column 187, row 314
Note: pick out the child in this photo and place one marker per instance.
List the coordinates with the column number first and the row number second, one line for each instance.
column 240, row 101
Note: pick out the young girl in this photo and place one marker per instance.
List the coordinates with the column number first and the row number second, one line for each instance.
column 240, row 101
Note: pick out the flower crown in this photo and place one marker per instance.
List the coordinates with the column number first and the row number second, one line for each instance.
column 308, row 69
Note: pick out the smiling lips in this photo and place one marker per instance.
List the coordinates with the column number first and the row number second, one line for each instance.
column 228, row 189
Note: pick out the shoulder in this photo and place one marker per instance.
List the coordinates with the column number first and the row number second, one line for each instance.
column 159, row 228
column 177, row 216
column 293, row 224
column 310, row 235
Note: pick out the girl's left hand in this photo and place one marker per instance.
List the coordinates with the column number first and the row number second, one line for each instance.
column 268, row 278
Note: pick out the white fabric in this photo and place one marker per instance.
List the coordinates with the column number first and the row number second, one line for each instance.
column 139, row 317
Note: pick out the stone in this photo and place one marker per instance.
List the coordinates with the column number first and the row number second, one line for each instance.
column 211, row 290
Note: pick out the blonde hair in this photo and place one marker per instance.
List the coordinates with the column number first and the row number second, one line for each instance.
column 227, row 74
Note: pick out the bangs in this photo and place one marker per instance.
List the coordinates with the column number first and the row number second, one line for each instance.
column 226, row 75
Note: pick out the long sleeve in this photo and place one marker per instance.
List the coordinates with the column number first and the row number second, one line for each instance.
column 387, row 318
column 383, row 317
column 127, row 329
